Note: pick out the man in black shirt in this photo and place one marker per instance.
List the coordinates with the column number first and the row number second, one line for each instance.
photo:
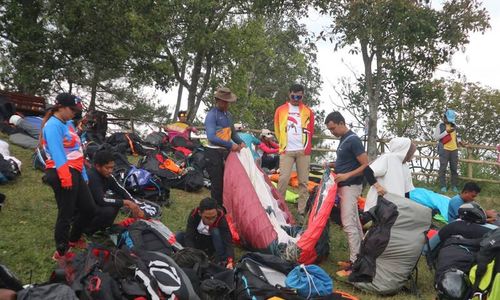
column 207, row 230
column 349, row 166
column 100, row 181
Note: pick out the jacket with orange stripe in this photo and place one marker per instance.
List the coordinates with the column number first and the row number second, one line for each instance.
column 63, row 148
column 306, row 121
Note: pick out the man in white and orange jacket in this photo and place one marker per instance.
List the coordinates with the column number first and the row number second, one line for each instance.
column 294, row 128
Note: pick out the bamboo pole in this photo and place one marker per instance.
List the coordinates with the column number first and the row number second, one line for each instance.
column 460, row 177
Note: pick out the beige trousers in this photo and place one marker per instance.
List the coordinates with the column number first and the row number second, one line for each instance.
column 350, row 219
column 301, row 162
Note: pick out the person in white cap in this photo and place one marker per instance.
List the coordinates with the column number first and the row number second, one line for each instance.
column 32, row 126
column 269, row 151
column 447, row 138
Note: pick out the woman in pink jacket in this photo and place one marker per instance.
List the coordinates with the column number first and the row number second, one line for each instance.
column 269, row 151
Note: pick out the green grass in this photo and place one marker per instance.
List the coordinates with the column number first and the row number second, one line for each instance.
column 27, row 222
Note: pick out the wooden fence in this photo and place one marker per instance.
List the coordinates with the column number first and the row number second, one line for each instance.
column 426, row 155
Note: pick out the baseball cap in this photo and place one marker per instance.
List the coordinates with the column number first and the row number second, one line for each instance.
column 266, row 132
column 238, row 126
column 451, row 115
column 69, row 100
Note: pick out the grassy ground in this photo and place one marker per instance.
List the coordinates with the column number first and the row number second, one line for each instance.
column 27, row 221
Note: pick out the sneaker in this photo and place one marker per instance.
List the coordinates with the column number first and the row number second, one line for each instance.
column 344, row 265
column 454, row 189
column 80, row 244
column 444, row 189
column 343, row 273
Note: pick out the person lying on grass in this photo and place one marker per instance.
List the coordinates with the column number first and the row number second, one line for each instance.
column 207, row 230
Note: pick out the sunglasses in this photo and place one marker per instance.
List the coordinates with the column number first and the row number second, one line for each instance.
column 296, row 97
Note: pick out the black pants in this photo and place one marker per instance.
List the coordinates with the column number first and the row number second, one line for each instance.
column 448, row 157
column 77, row 202
column 270, row 161
column 215, row 167
column 103, row 218
column 213, row 245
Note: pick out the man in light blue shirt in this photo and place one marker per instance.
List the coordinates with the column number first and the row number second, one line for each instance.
column 468, row 194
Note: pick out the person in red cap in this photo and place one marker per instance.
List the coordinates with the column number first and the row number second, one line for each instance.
column 65, row 173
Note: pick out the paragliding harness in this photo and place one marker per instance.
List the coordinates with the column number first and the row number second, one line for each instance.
column 149, row 235
column 8, row 169
column 142, row 183
column 485, row 276
column 95, row 125
column 38, row 159
column 255, row 277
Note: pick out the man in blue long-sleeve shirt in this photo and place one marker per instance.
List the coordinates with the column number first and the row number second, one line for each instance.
column 221, row 135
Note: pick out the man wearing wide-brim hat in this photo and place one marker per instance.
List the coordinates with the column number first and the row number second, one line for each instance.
column 222, row 138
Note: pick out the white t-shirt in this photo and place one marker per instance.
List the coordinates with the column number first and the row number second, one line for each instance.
column 203, row 229
column 294, row 129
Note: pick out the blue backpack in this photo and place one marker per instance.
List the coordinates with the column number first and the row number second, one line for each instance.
column 309, row 281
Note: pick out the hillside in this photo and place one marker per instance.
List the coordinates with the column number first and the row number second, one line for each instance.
column 28, row 217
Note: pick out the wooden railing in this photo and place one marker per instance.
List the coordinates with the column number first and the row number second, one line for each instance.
column 426, row 158
column 426, row 161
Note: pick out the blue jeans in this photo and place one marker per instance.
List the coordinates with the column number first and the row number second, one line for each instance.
column 210, row 244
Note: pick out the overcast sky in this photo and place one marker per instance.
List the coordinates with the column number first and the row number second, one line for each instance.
column 479, row 62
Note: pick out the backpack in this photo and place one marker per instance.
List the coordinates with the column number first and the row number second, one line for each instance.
column 100, row 273
column 485, row 276
column 7, row 109
column 8, row 280
column 309, row 281
column 38, row 159
column 193, row 180
column 262, row 276
column 149, row 235
column 157, row 139
column 131, row 141
column 8, row 168
column 457, row 252
column 161, row 275
column 52, row 291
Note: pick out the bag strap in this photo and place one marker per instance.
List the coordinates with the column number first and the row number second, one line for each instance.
column 131, row 144
column 310, row 281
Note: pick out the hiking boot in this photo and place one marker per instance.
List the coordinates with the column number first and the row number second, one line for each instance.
column 80, row 244
column 444, row 189
column 343, row 273
column 454, row 189
column 344, row 264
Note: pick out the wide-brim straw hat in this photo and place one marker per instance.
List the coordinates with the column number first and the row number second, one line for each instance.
column 225, row 94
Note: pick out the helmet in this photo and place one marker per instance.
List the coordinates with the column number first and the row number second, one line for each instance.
column 472, row 212
column 453, row 284
column 450, row 115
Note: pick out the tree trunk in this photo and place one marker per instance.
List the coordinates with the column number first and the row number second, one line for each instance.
column 93, row 92
column 193, row 88
column 179, row 91
column 372, row 101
